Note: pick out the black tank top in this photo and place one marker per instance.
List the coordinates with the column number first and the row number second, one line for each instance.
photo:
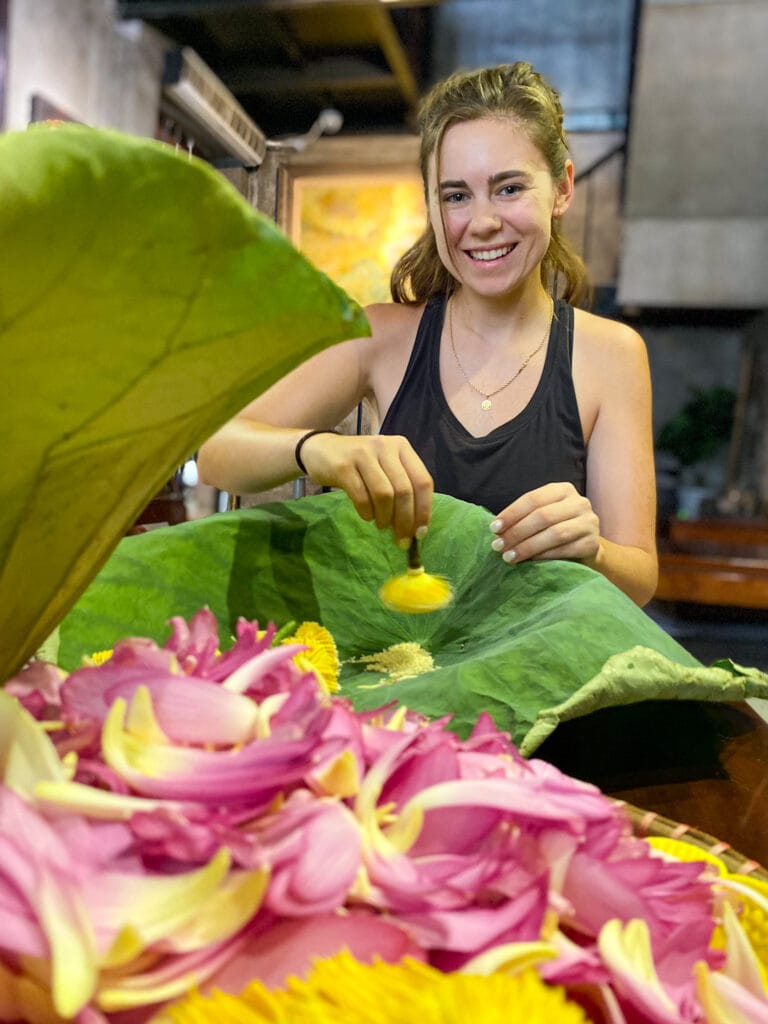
column 542, row 444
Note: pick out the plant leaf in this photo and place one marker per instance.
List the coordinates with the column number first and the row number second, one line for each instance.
column 142, row 303
column 517, row 640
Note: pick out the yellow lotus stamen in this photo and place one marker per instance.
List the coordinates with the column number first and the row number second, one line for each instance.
column 98, row 657
column 322, row 657
column 340, row 990
column 400, row 661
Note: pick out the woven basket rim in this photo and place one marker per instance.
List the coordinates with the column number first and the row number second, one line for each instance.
column 649, row 823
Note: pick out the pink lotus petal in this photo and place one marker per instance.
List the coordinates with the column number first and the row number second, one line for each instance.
column 431, row 757
column 404, row 884
column 164, row 835
column 188, row 710
column 19, row 925
column 676, row 957
column 246, row 646
column 195, row 711
column 313, row 850
column 486, row 738
column 40, row 875
column 270, row 671
column 252, row 774
column 289, row 948
column 471, row 930
column 86, row 694
column 91, row 772
column 65, row 850
column 460, row 832
column 195, row 642
column 575, row 964
column 37, row 687
column 664, row 894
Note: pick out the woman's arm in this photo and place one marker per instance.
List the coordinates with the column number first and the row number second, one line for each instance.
column 613, row 528
column 255, row 450
column 383, row 476
column 621, row 479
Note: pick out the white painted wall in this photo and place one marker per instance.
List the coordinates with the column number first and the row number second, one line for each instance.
column 696, row 209
column 80, row 57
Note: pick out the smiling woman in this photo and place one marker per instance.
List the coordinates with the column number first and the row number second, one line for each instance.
column 485, row 382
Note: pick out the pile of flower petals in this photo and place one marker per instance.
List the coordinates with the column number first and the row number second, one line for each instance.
column 178, row 816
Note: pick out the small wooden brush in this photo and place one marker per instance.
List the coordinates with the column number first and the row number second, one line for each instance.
column 416, row 591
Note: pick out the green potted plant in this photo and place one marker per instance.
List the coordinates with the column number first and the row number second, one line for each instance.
column 694, row 435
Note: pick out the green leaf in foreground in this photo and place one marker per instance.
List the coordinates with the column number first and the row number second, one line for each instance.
column 142, row 303
column 516, row 642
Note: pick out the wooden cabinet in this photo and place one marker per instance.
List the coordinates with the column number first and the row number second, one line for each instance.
column 716, row 562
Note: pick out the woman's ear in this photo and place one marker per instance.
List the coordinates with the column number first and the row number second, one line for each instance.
column 564, row 191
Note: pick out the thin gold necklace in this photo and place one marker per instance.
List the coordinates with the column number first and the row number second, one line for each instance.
column 486, row 403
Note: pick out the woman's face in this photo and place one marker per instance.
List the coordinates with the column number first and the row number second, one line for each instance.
column 492, row 207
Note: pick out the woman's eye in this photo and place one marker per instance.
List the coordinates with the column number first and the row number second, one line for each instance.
column 510, row 190
column 454, row 197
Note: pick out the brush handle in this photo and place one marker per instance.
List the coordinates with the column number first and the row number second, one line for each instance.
column 414, row 555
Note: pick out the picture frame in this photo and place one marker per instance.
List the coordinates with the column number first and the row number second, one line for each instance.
column 353, row 207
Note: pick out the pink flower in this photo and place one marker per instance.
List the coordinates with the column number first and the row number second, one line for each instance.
column 235, row 821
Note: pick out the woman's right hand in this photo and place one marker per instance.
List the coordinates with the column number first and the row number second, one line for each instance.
column 384, row 477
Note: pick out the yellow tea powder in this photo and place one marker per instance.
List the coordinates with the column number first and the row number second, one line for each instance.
column 400, row 661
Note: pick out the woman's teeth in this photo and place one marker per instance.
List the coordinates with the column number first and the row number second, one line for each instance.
column 489, row 254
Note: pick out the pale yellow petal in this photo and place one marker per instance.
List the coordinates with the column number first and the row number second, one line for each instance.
column 64, row 919
column 226, row 911
column 141, row 720
column 96, row 803
column 626, row 949
column 742, row 962
column 340, row 778
column 27, row 755
column 512, row 957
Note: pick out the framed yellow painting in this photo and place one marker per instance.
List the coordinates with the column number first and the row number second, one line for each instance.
column 353, row 218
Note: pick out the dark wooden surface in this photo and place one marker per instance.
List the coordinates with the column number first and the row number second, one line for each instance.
column 701, row 764
column 715, row 562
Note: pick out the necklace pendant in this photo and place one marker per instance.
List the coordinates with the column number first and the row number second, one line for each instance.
column 485, row 404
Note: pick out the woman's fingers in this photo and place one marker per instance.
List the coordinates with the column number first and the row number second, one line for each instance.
column 413, row 505
column 553, row 521
column 384, row 477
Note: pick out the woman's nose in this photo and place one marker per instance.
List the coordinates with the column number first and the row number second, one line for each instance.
column 485, row 218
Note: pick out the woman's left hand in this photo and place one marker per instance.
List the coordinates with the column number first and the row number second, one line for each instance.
column 553, row 521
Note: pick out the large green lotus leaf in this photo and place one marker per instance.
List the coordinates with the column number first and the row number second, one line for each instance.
column 516, row 642
column 142, row 303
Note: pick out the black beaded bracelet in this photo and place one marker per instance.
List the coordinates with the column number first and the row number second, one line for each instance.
column 300, row 444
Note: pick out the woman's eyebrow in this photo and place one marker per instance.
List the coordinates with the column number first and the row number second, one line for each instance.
column 501, row 175
column 494, row 179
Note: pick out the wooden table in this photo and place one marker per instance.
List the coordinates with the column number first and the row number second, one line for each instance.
column 701, row 764
column 715, row 562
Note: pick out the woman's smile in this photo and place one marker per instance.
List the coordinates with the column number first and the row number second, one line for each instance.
column 489, row 255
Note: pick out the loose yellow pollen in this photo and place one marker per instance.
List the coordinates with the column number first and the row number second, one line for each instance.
column 400, row 661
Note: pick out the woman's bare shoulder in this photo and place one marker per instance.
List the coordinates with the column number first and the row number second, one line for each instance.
column 600, row 330
column 393, row 330
column 594, row 334
column 392, row 319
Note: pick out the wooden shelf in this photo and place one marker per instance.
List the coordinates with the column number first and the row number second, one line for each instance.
column 716, row 562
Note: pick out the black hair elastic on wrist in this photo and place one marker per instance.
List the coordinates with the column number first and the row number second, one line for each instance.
column 300, row 445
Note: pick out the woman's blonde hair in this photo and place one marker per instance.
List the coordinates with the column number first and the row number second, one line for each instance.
column 517, row 92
